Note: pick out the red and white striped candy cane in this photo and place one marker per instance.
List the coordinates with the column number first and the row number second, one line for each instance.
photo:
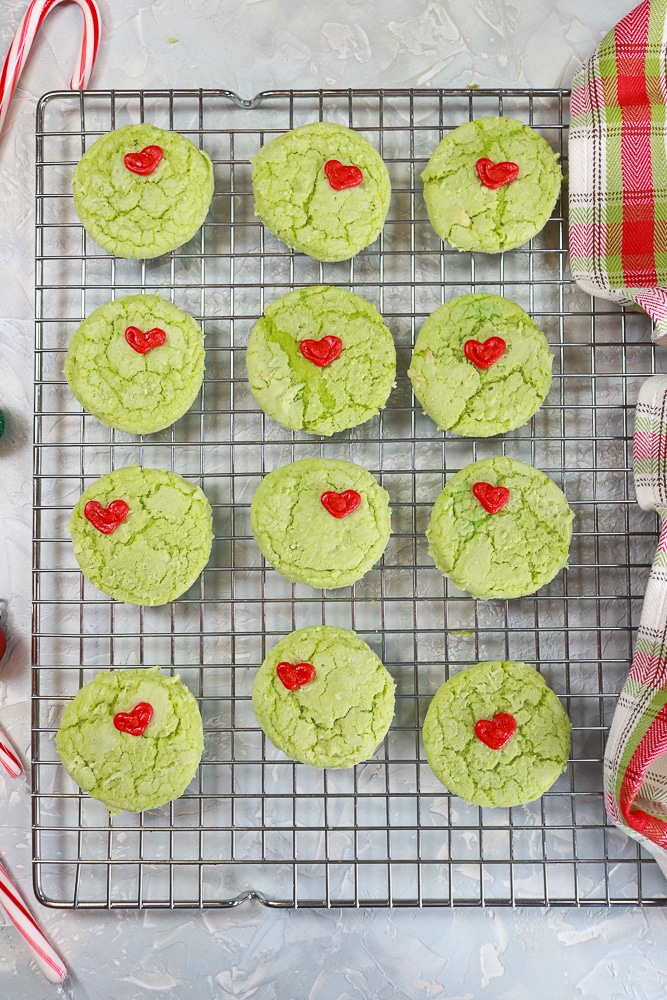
column 25, row 36
column 8, row 758
column 47, row 958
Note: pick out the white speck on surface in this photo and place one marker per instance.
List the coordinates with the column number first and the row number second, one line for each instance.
column 492, row 967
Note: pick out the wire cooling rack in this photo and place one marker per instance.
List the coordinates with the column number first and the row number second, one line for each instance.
column 252, row 823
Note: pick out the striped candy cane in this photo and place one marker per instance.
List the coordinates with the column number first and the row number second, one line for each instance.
column 25, row 36
column 8, row 758
column 48, row 960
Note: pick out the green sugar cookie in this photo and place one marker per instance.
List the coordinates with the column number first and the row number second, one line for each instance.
column 136, row 202
column 321, row 360
column 500, row 528
column 323, row 697
column 496, row 735
column 321, row 521
column 480, row 366
column 132, row 738
column 496, row 213
column 142, row 535
column 322, row 189
column 137, row 363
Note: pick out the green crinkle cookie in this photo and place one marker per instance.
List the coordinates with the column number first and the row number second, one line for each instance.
column 295, row 200
column 133, row 215
column 529, row 762
column 298, row 393
column 131, row 391
column 306, row 543
column 508, row 554
column 471, row 216
column 157, row 552
column 475, row 401
column 125, row 771
column 339, row 717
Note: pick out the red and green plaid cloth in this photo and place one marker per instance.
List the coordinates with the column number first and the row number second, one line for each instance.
column 618, row 165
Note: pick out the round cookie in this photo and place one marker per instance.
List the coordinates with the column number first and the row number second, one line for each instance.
column 142, row 535
column 494, row 213
column 323, row 697
column 321, row 521
column 135, row 202
column 321, row 360
column 136, row 363
column 322, row 189
column 480, row 366
column 496, row 735
column 132, row 738
column 500, row 529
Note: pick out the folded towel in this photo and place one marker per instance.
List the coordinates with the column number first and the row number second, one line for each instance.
column 618, row 165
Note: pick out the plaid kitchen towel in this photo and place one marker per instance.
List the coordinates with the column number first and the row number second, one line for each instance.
column 618, row 165
column 635, row 765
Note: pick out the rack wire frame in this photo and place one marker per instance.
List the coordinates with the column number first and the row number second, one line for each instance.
column 252, row 823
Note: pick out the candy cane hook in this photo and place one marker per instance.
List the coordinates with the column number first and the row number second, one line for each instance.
column 25, row 36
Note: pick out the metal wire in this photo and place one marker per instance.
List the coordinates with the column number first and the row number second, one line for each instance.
column 254, row 824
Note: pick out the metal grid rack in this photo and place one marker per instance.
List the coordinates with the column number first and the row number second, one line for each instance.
column 253, row 823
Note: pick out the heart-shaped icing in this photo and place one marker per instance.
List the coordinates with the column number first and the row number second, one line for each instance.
column 106, row 519
column 496, row 732
column 342, row 175
column 496, row 175
column 3, row 644
column 340, row 504
column 321, row 352
column 295, row 675
column 135, row 722
column 492, row 498
column 144, row 341
column 484, row 353
column 145, row 161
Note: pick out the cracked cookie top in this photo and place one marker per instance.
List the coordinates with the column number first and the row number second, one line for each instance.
column 142, row 214
column 127, row 380
column 298, row 196
column 470, row 215
column 477, row 396
column 338, row 717
column 159, row 545
column 307, row 391
column 512, row 551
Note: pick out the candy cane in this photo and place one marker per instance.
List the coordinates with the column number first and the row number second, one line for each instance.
column 25, row 36
column 8, row 758
column 48, row 960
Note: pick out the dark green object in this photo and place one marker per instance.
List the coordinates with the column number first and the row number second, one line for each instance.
column 2, row 422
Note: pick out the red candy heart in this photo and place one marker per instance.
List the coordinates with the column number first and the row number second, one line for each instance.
column 295, row 675
column 135, row 722
column 342, row 175
column 142, row 342
column 340, row 504
column 106, row 519
column 3, row 644
column 321, row 352
column 496, row 732
column 485, row 353
column 143, row 162
column 496, row 175
column 492, row 498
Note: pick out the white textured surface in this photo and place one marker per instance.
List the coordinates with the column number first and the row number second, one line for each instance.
column 247, row 46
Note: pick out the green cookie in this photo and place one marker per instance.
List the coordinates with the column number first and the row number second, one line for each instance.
column 124, row 387
column 295, row 199
column 509, row 553
column 335, row 719
column 472, row 216
column 464, row 396
column 142, row 215
column 303, row 539
column 462, row 733
column 122, row 770
column 298, row 392
column 158, row 549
